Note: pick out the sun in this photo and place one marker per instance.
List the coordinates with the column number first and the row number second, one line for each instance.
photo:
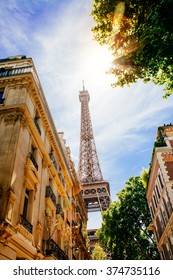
column 97, row 61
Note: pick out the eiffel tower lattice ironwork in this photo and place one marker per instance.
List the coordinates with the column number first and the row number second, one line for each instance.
column 95, row 189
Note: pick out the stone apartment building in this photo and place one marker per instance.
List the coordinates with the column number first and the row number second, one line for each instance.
column 160, row 191
column 42, row 212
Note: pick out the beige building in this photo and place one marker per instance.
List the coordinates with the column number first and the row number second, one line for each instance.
column 42, row 213
column 160, row 191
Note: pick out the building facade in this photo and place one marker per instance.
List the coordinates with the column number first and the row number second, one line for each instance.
column 160, row 191
column 42, row 212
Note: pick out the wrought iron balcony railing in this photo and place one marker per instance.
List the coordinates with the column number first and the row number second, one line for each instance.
column 50, row 193
column 25, row 223
column 32, row 158
column 50, row 247
column 15, row 71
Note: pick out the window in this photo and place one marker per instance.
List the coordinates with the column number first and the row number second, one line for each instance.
column 157, row 192
column 167, row 252
column 156, row 234
column 26, row 216
column 151, row 211
column 167, row 207
column 37, row 123
column 169, row 204
column 61, row 178
column 153, row 206
column 33, row 156
column 155, row 202
column 159, row 183
column 170, row 247
column 161, row 179
column 162, row 225
column 25, row 207
column 55, row 163
column 1, row 96
column 159, row 227
column 164, row 215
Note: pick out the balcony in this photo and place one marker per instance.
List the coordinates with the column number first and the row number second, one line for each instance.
column 32, row 158
column 15, row 71
column 50, row 194
column 51, row 248
column 25, row 223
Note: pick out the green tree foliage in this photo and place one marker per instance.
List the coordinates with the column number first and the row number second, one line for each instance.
column 124, row 229
column 140, row 35
column 145, row 177
column 98, row 253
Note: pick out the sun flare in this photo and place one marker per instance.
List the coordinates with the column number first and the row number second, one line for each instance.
column 98, row 60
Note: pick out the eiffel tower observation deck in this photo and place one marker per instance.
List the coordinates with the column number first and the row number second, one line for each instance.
column 95, row 189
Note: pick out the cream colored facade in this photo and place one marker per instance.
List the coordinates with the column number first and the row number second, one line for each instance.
column 160, row 191
column 42, row 213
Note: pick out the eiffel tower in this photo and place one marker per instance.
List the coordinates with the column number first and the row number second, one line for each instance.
column 95, row 189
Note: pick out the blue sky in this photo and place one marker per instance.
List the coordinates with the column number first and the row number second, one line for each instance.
column 57, row 35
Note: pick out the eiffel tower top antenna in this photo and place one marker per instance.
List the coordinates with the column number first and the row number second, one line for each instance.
column 83, row 85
